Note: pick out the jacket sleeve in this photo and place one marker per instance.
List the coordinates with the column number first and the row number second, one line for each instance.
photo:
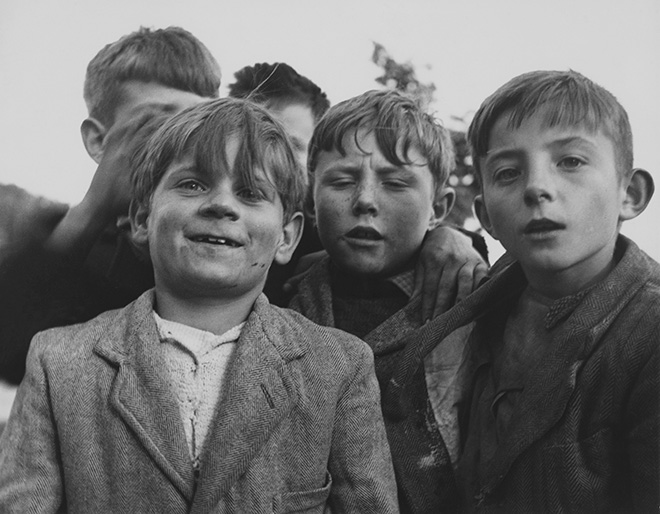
column 26, row 221
column 360, row 461
column 31, row 475
column 641, row 432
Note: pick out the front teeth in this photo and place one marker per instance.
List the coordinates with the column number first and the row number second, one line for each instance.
column 214, row 240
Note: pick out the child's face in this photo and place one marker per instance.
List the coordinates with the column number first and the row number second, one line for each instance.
column 210, row 236
column 371, row 214
column 553, row 197
column 298, row 121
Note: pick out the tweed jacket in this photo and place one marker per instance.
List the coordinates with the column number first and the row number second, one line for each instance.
column 94, row 427
column 584, row 435
column 424, row 471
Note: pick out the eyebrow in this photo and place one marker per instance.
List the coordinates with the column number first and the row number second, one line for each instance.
column 565, row 141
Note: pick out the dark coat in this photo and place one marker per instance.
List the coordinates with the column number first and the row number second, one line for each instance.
column 94, row 427
column 584, row 436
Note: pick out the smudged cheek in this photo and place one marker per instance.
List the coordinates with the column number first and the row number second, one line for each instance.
column 263, row 253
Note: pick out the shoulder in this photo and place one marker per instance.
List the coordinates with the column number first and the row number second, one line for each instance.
column 69, row 345
column 26, row 218
column 317, row 276
column 323, row 344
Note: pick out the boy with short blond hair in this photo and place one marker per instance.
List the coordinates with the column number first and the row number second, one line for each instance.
column 564, row 406
column 378, row 167
column 201, row 396
column 66, row 264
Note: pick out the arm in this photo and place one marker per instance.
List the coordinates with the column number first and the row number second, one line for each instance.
column 448, row 269
column 31, row 475
column 109, row 193
column 642, row 419
column 49, row 281
column 360, row 462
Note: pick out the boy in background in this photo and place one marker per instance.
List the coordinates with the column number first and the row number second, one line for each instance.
column 564, row 407
column 61, row 264
column 378, row 168
column 200, row 396
column 298, row 104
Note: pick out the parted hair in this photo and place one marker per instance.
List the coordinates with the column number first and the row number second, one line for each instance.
column 566, row 98
column 172, row 57
column 398, row 124
column 202, row 132
column 276, row 83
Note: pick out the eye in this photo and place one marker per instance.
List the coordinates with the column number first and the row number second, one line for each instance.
column 250, row 195
column 191, row 185
column 571, row 163
column 395, row 183
column 340, row 182
column 506, row 174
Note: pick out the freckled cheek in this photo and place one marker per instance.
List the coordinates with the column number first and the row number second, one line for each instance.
column 331, row 211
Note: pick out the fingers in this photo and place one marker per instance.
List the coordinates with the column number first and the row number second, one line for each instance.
column 453, row 283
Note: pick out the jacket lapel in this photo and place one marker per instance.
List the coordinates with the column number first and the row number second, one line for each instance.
column 260, row 391
column 390, row 335
column 140, row 393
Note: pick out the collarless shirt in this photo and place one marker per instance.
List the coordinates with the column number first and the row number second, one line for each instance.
column 197, row 363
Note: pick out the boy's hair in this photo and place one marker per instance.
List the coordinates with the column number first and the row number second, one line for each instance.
column 172, row 57
column 398, row 123
column 567, row 98
column 202, row 132
column 276, row 83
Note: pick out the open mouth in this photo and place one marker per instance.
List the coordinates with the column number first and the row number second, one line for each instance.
column 222, row 241
column 543, row 225
column 368, row 233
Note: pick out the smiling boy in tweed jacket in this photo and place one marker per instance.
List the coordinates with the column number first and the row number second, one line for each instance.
column 200, row 396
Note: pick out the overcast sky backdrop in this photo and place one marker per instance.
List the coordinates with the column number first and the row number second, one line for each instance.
column 466, row 47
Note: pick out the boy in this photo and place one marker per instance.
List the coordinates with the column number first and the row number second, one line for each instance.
column 200, row 396
column 564, row 410
column 297, row 103
column 63, row 264
column 293, row 99
column 449, row 266
column 378, row 167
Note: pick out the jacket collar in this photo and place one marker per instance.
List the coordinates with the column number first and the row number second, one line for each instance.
column 314, row 299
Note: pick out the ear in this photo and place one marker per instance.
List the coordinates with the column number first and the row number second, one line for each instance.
column 481, row 212
column 93, row 134
column 291, row 234
column 638, row 194
column 139, row 218
column 443, row 203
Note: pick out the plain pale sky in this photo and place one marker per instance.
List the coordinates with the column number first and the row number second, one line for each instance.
column 466, row 47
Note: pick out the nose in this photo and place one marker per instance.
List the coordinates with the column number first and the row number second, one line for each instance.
column 364, row 199
column 540, row 185
column 220, row 203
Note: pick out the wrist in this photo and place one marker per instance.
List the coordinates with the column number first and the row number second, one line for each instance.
column 78, row 230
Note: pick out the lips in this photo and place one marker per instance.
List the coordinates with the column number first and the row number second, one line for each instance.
column 368, row 233
column 542, row 225
column 214, row 240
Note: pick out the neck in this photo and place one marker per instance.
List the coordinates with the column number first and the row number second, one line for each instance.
column 216, row 315
column 569, row 281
